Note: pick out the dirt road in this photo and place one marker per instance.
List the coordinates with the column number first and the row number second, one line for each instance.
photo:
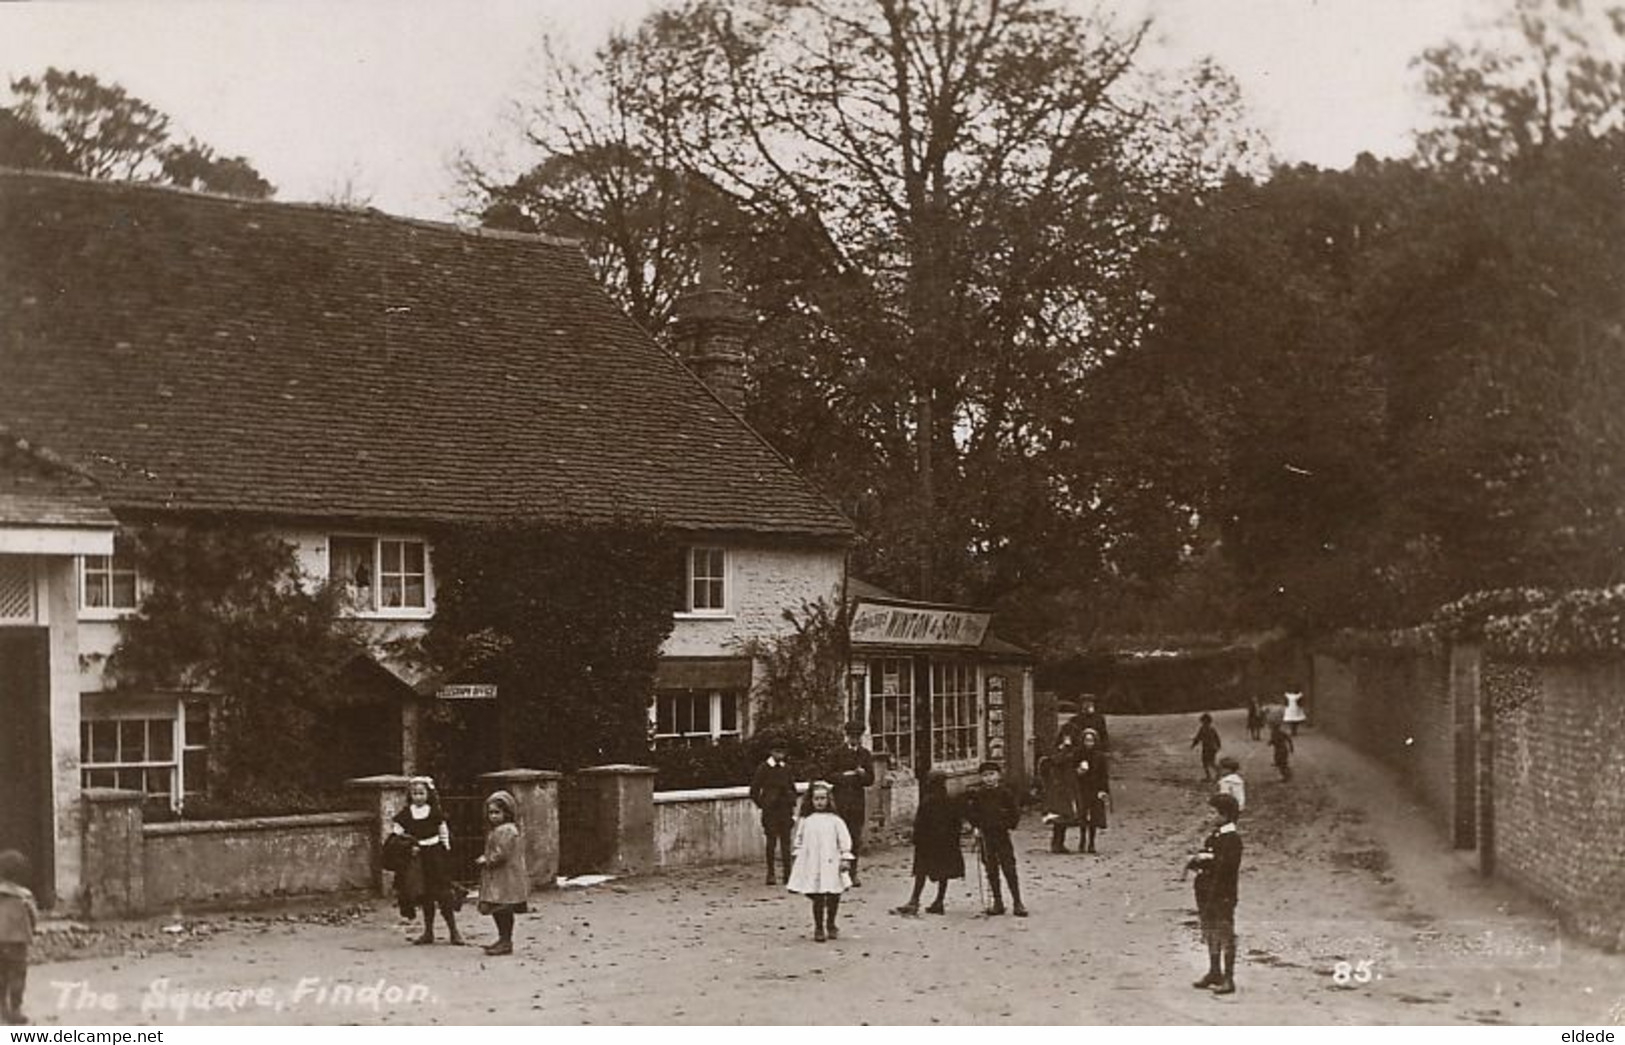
column 1339, row 867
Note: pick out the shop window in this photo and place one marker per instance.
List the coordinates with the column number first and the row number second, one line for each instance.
column 891, row 708
column 163, row 756
column 695, row 717
column 109, row 584
column 956, row 709
column 381, row 575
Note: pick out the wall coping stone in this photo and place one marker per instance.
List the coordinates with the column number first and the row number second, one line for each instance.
column 257, row 823
column 381, row 782
column 521, row 776
column 618, row 769
column 710, row 794
column 113, row 795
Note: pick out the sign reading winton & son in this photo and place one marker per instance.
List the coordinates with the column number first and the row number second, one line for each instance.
column 879, row 625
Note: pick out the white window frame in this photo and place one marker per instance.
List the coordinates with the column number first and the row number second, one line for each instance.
column 378, row 611
column 976, row 713
column 171, row 714
column 724, row 576
column 109, row 612
column 715, row 732
column 901, row 749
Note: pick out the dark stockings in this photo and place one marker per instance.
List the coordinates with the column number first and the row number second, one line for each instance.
column 504, row 920
column 919, row 887
column 825, row 907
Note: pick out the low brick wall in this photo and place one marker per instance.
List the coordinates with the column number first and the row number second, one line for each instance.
column 211, row 862
column 1559, row 788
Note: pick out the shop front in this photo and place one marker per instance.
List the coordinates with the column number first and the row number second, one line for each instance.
column 937, row 688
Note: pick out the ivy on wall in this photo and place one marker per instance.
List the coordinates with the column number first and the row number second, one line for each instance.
column 228, row 613
column 1517, row 623
column 567, row 621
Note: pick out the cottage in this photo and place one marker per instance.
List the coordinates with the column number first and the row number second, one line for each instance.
column 357, row 383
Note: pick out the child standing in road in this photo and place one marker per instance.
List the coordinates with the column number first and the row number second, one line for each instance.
column 773, row 790
column 1255, row 718
column 504, row 878
column 937, row 855
column 1094, row 790
column 1282, row 743
column 1231, row 783
column 17, row 918
column 1218, row 871
column 823, row 861
column 994, row 812
column 428, row 883
column 1208, row 738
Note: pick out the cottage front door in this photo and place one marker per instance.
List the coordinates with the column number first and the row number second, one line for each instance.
column 25, row 752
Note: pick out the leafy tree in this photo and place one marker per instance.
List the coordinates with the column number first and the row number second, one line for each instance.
column 72, row 122
column 1546, row 72
column 934, row 207
column 1383, row 388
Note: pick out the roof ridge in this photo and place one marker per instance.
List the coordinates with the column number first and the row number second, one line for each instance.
column 476, row 231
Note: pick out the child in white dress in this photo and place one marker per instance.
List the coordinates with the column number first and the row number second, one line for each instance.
column 823, row 848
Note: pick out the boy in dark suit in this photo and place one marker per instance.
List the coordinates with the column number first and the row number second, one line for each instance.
column 852, row 769
column 1218, row 872
column 773, row 789
column 1208, row 737
column 994, row 811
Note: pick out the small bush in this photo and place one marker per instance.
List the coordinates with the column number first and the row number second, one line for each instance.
column 727, row 763
column 731, row 762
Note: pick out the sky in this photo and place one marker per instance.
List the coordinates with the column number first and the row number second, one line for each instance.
column 375, row 100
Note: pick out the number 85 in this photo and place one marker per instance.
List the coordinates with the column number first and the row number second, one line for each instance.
column 1360, row 972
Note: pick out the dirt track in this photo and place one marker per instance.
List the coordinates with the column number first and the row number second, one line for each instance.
column 1339, row 867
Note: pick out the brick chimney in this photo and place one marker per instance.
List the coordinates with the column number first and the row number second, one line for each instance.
column 709, row 331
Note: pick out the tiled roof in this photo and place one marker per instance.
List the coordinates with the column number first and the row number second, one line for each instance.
column 201, row 353
column 37, row 490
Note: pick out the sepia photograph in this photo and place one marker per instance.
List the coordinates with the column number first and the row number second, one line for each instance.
column 812, row 513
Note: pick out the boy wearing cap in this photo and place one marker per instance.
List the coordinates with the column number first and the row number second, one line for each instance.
column 994, row 811
column 852, row 769
column 773, row 790
column 1218, row 870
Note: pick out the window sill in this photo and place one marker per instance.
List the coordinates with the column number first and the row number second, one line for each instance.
column 704, row 615
column 389, row 615
column 106, row 615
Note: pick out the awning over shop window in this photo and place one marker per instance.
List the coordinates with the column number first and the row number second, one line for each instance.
column 703, row 673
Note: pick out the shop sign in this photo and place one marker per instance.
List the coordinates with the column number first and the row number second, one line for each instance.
column 481, row 691
column 879, row 625
column 995, row 717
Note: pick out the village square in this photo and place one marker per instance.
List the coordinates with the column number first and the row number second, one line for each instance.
column 827, row 511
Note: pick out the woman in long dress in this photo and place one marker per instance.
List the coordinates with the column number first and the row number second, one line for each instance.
column 1062, row 806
